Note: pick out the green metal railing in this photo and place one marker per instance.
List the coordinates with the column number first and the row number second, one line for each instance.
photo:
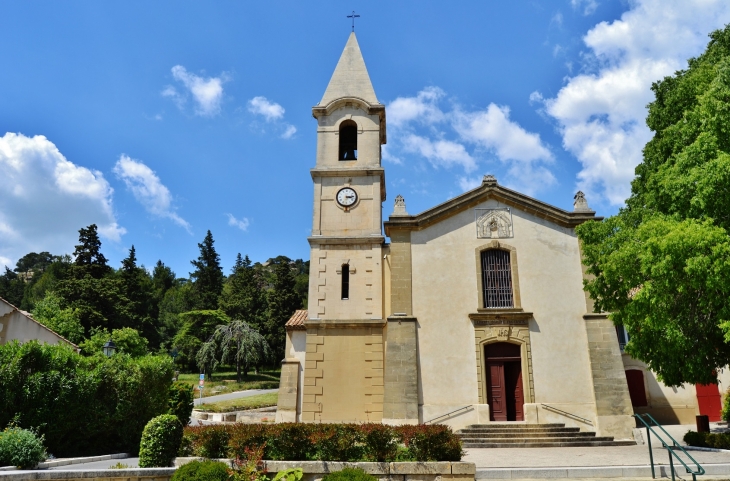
column 670, row 449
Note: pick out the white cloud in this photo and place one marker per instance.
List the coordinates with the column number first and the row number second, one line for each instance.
column 589, row 6
column 492, row 129
column 388, row 156
column 240, row 223
column 269, row 110
column 289, row 132
column 601, row 115
column 469, row 183
column 423, row 108
column 441, row 153
column 148, row 189
column 207, row 92
column 45, row 199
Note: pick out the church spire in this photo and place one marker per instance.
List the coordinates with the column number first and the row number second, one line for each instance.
column 350, row 78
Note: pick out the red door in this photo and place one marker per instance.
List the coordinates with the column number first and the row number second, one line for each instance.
column 708, row 400
column 515, row 397
column 495, row 392
column 635, row 380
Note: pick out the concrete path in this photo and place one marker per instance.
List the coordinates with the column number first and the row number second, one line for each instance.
column 232, row 395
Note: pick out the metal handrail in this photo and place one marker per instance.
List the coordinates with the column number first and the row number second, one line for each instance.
column 670, row 449
column 565, row 413
column 447, row 414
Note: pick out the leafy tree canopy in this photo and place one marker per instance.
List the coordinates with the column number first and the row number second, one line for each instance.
column 662, row 265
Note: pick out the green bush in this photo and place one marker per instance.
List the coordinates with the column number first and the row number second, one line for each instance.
column 82, row 405
column 201, row 471
column 160, row 441
column 324, row 442
column 181, row 401
column 708, row 440
column 294, row 474
column 726, row 407
column 21, row 448
column 349, row 474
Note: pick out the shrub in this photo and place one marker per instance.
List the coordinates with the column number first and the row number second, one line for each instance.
column 726, row 407
column 339, row 442
column 160, row 441
column 718, row 440
column 181, row 401
column 294, row 474
column 82, row 405
column 349, row 474
column 431, row 443
column 693, row 438
column 247, row 438
column 21, row 448
column 201, row 471
column 381, row 443
column 290, row 442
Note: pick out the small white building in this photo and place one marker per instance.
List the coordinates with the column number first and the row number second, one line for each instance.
column 17, row 325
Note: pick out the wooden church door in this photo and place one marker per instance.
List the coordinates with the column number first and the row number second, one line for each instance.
column 504, row 382
column 708, row 400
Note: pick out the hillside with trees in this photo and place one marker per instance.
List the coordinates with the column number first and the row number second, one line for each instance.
column 144, row 310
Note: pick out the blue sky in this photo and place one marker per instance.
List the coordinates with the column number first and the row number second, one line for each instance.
column 160, row 120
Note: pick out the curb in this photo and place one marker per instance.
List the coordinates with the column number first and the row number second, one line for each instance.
column 69, row 461
column 662, row 470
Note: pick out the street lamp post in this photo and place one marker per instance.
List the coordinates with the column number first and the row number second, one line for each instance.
column 109, row 348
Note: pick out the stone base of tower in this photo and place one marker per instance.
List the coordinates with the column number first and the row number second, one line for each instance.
column 343, row 372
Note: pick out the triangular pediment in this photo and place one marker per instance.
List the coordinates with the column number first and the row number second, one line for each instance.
column 489, row 189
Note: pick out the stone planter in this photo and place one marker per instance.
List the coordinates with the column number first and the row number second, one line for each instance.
column 415, row 471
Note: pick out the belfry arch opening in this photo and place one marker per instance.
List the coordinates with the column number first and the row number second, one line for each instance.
column 345, row 281
column 348, row 140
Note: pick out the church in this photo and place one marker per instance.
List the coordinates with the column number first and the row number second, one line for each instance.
column 470, row 312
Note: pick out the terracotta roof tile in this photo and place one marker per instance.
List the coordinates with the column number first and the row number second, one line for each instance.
column 296, row 321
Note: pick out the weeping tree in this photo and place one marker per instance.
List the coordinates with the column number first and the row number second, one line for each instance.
column 207, row 357
column 242, row 344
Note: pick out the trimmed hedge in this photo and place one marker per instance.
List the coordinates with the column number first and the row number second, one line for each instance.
column 707, row 440
column 202, row 471
column 160, row 442
column 82, row 406
column 350, row 474
column 323, row 442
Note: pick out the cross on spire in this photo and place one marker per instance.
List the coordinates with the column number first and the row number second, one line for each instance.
column 353, row 17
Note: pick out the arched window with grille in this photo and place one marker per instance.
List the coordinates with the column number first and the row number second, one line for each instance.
column 496, row 278
column 348, row 140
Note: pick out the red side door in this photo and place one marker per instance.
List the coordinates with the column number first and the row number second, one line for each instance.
column 708, row 400
column 635, row 380
column 496, row 392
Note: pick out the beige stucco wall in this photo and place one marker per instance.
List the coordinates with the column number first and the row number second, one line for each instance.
column 16, row 326
column 550, row 283
column 343, row 377
column 668, row 405
column 366, row 277
column 296, row 341
column 368, row 139
column 361, row 219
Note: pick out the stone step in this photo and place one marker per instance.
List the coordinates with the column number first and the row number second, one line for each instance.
column 514, row 430
column 571, row 434
column 537, row 440
column 549, row 444
column 515, row 424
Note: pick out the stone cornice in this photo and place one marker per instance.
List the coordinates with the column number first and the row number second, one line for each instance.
column 487, row 191
column 349, row 240
column 595, row 315
column 497, row 317
column 352, row 172
column 338, row 323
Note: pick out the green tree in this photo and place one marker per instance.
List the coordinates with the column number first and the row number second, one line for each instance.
column 282, row 301
column 662, row 265
column 127, row 340
column 66, row 322
column 88, row 256
column 241, row 344
column 243, row 296
column 208, row 275
column 138, row 288
column 11, row 287
column 197, row 328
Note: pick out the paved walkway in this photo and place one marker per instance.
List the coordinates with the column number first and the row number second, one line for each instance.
column 232, row 395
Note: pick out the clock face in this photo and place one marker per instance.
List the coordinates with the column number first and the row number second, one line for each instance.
column 346, row 197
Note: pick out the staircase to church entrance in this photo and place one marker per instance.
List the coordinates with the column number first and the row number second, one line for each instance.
column 519, row 435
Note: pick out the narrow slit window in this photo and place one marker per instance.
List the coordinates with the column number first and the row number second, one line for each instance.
column 348, row 140
column 345, row 281
column 496, row 278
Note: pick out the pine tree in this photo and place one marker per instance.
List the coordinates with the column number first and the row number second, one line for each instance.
column 243, row 296
column 137, row 286
column 282, row 301
column 208, row 275
column 88, row 256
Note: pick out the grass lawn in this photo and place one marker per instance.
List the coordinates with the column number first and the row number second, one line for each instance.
column 225, row 382
column 251, row 402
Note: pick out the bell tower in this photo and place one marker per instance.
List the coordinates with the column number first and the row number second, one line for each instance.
column 343, row 375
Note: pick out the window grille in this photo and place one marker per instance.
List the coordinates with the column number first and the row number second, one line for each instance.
column 346, row 281
column 497, row 278
column 623, row 337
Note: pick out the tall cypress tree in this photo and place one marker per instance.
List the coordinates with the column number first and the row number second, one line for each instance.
column 208, row 275
column 137, row 286
column 88, row 256
column 243, row 296
column 282, row 301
